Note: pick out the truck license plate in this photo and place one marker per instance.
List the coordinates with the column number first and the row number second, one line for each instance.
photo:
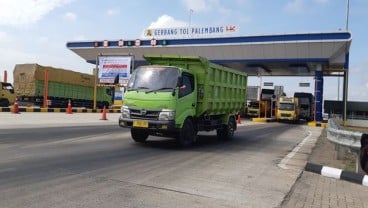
column 139, row 123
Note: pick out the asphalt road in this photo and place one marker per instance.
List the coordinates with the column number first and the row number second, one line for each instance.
column 100, row 166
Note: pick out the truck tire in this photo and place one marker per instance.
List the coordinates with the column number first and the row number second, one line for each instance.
column 227, row 131
column 139, row 135
column 187, row 134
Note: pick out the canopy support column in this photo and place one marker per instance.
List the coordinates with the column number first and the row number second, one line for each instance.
column 318, row 94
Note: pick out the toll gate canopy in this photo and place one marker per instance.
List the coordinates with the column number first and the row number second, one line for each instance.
column 303, row 54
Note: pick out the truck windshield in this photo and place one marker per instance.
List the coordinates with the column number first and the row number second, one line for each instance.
column 154, row 78
column 253, row 105
column 7, row 86
column 286, row 106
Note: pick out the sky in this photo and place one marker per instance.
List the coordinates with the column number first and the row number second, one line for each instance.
column 36, row 31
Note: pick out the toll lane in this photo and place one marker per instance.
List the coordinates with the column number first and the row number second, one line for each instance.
column 100, row 166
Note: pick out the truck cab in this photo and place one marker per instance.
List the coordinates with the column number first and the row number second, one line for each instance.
column 288, row 109
column 253, row 108
column 7, row 96
column 157, row 101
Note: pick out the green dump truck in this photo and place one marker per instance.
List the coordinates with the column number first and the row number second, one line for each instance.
column 63, row 85
column 177, row 96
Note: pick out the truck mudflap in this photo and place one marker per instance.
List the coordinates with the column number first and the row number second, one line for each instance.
column 148, row 124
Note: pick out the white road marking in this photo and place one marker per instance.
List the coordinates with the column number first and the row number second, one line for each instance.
column 286, row 159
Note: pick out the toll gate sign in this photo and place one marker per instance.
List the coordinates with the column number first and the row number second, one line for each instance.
column 114, row 69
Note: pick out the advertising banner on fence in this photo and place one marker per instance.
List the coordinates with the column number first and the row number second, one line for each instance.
column 114, row 68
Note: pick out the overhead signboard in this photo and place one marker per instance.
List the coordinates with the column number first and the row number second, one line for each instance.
column 268, row 84
column 304, row 84
column 114, row 68
column 191, row 32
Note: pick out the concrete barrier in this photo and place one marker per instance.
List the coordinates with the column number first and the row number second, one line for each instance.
column 59, row 110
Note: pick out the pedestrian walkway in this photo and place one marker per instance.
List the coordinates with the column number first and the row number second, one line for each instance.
column 315, row 190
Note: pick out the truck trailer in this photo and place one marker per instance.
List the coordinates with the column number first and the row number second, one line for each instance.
column 178, row 96
column 306, row 101
column 63, row 85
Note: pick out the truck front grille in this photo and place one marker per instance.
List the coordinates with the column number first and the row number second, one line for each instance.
column 285, row 114
column 144, row 114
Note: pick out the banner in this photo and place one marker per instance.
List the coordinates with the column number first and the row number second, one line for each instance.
column 114, row 68
column 191, row 32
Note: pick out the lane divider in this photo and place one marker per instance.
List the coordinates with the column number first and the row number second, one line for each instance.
column 337, row 173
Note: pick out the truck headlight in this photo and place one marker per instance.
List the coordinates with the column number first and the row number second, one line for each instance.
column 166, row 115
column 125, row 112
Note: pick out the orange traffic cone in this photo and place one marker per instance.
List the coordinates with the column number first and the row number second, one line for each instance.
column 239, row 121
column 15, row 106
column 69, row 109
column 104, row 113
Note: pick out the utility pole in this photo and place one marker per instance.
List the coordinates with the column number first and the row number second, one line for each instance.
column 347, row 14
column 190, row 21
column 190, row 16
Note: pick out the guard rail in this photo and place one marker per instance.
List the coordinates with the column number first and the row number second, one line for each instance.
column 344, row 138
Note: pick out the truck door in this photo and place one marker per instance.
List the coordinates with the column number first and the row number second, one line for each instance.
column 187, row 98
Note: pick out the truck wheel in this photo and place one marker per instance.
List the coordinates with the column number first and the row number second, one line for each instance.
column 187, row 134
column 227, row 131
column 139, row 135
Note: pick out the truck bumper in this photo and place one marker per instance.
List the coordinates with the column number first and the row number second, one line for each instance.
column 151, row 126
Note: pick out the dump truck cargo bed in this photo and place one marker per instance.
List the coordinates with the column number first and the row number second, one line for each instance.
column 221, row 90
column 62, row 83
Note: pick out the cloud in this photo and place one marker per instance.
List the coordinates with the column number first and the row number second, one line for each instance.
column 295, row 6
column 24, row 12
column 113, row 12
column 4, row 37
column 70, row 16
column 43, row 40
column 79, row 38
column 166, row 21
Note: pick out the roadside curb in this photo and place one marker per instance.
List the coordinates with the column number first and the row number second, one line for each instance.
column 263, row 120
column 337, row 173
column 315, row 124
column 59, row 110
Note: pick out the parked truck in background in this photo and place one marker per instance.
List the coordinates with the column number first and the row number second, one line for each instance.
column 254, row 107
column 7, row 96
column 63, row 85
column 178, row 96
column 306, row 101
column 288, row 109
